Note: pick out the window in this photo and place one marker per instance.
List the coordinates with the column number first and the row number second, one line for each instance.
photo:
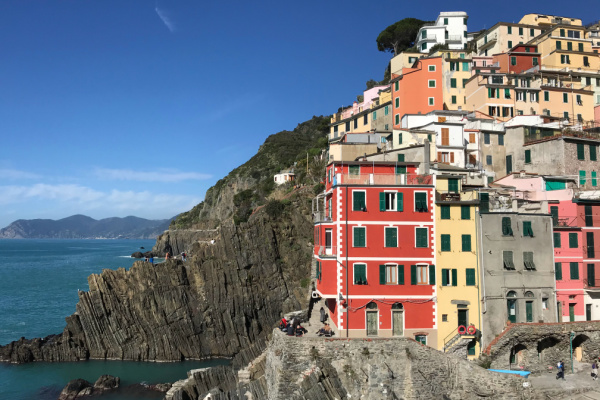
column 431, row 101
column 445, row 21
column 591, row 253
column 354, row 169
column 580, row 151
column 528, row 260
column 558, row 271
column 445, row 211
column 557, row 243
column 431, row 68
column 348, row 126
column 397, row 122
column 374, row 115
column 589, row 221
column 565, row 98
column 527, row 231
column 520, row 31
column 449, row 277
column 488, row 160
column 421, row 202
column 465, row 66
column 486, row 138
column 360, row 274
column 574, row 267
column 564, row 59
column 359, row 235
column 335, row 129
column 510, row 45
column 400, row 156
column 546, row 95
column 573, row 240
column 365, row 119
column 453, row 82
column 594, row 180
column 464, row 81
column 389, row 275
column 465, row 212
column 509, row 29
column 534, row 60
column 423, row 34
column 356, row 123
column 400, row 170
column 421, row 339
column 391, row 236
column 446, row 246
column 580, row 47
column 513, row 60
column 358, row 201
column 391, row 201
column 466, row 242
column 319, row 271
column 453, row 99
column 421, row 237
column 566, row 115
column 431, row 83
column 527, row 156
column 578, row 99
column 470, row 272
column 506, row 228
column 570, row 46
column 501, row 140
column 531, row 33
column 582, row 179
column 507, row 259
column 558, row 45
column 396, row 85
column 397, row 102
column 453, row 185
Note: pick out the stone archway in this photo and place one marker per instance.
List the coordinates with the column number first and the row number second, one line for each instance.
column 518, row 354
column 547, row 351
column 579, row 353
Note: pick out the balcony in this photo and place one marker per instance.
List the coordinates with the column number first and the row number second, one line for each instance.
column 383, row 179
column 326, row 251
column 454, row 38
column 484, row 43
column 591, row 284
column 533, row 134
column 564, row 222
column 320, row 217
column 443, row 196
column 561, row 21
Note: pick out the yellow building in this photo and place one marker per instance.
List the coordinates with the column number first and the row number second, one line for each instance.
column 403, row 60
column 456, row 71
column 456, row 262
column 545, row 20
column 491, row 94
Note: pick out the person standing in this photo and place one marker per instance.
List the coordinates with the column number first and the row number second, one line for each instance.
column 595, row 370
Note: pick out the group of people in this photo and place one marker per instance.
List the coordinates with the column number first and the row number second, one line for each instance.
column 149, row 259
column 560, row 366
column 293, row 327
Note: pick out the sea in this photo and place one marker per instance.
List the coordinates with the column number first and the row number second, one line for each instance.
column 39, row 280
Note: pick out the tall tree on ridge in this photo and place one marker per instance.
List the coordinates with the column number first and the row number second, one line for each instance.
column 399, row 36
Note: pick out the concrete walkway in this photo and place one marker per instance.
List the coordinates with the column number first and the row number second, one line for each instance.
column 577, row 386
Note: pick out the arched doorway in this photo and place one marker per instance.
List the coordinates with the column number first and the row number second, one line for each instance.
column 529, row 306
column 545, row 344
column 511, row 306
column 397, row 319
column 372, row 319
column 579, row 347
column 517, row 353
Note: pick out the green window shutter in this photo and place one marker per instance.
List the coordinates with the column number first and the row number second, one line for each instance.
column 400, row 157
column 470, row 276
column 510, row 44
column 465, row 212
column 573, row 241
column 580, row 151
column 489, row 93
column 400, row 201
column 562, row 33
column 396, row 85
column 444, row 277
column 421, row 201
column 594, row 180
column 557, row 240
column 453, row 82
column 509, row 30
column 446, row 246
column 454, row 277
column 558, row 271
column 397, row 102
column 559, row 46
column 465, row 66
column 527, row 228
column 453, row 185
column 507, row 93
column 593, row 152
column 466, row 242
column 400, row 274
column 574, row 267
column 580, row 46
column 589, row 221
column 513, row 61
column 582, row 177
column 413, row 274
column 397, row 119
column 400, row 169
column 506, row 228
column 391, row 237
column 546, row 95
column 527, row 156
column 358, row 203
column 569, row 46
column 465, row 83
column 566, row 100
column 445, row 211
column 399, row 134
column 421, row 239
column 432, row 274
column 382, row 274
column 381, row 201
column 484, row 202
column 359, row 236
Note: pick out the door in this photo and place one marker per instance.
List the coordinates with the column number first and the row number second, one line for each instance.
column 328, row 249
column 512, row 310
column 372, row 323
column 529, row 311
column 559, row 311
column 508, row 164
column 588, row 312
column 578, row 353
column 571, row 312
column 463, row 318
column 397, row 323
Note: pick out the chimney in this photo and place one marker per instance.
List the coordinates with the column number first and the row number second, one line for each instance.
column 426, row 156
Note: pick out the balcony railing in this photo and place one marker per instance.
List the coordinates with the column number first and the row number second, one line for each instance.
column 382, row 179
column 321, row 216
column 441, row 195
column 591, row 283
column 326, row 251
column 564, row 222
column 454, row 38
column 535, row 133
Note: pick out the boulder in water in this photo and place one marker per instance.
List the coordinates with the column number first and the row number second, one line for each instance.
column 75, row 389
column 137, row 254
column 107, row 382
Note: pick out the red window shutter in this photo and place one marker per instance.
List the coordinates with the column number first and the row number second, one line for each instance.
column 439, row 157
column 451, row 157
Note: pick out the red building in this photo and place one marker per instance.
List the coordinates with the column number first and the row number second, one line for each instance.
column 518, row 59
column 374, row 249
column 588, row 213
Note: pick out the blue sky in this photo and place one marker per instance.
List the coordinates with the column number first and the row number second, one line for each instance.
column 116, row 108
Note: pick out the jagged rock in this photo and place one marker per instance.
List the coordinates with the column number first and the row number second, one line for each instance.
column 137, row 254
column 220, row 303
column 107, row 382
column 75, row 389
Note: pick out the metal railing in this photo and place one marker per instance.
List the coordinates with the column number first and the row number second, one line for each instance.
column 591, row 283
column 382, row 179
column 454, row 38
column 326, row 251
column 564, row 222
column 321, row 216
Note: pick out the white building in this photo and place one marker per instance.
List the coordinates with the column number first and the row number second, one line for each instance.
column 284, row 176
column 450, row 28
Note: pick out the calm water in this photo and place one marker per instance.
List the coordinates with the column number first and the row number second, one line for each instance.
column 38, row 289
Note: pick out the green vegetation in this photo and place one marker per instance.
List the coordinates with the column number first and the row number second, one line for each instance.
column 437, row 47
column 279, row 151
column 274, row 208
column 399, row 36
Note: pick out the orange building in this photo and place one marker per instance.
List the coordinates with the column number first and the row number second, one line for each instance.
column 417, row 89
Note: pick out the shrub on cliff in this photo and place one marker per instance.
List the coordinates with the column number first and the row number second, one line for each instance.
column 274, row 208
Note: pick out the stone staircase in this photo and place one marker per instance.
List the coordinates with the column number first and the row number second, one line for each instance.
column 314, row 322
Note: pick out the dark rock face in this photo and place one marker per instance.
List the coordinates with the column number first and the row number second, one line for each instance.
column 75, row 389
column 107, row 382
column 137, row 254
column 224, row 300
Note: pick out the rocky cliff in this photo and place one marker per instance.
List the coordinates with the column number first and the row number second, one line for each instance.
column 222, row 302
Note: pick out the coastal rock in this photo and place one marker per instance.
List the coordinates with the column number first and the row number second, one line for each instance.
column 107, row 382
column 137, row 254
column 75, row 389
column 221, row 302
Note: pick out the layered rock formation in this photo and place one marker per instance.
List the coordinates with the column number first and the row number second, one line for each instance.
column 221, row 302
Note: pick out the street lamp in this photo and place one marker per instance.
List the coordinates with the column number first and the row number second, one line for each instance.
column 571, row 337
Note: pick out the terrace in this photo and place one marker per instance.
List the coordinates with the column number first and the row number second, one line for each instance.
column 378, row 179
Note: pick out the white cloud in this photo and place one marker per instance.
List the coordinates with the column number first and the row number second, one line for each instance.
column 14, row 174
column 164, row 17
column 164, row 175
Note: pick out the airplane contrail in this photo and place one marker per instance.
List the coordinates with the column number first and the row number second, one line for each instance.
column 165, row 18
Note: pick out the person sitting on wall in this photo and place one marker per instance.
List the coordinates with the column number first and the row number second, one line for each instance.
column 325, row 330
column 300, row 330
column 289, row 329
column 283, row 324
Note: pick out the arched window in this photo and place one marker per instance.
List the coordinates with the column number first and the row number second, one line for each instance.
column 511, row 306
column 372, row 306
column 529, row 307
column 528, row 294
column 397, row 306
column 512, row 293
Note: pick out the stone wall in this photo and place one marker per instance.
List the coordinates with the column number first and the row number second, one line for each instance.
column 536, row 347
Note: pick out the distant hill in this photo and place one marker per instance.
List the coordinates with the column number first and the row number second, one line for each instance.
column 84, row 227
